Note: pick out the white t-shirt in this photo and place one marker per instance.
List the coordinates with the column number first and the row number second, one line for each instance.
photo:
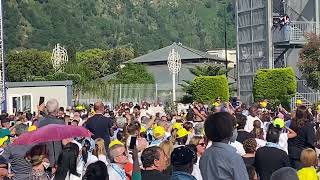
column 114, row 175
column 260, row 143
column 103, row 158
column 239, row 147
column 283, row 142
column 249, row 123
column 196, row 170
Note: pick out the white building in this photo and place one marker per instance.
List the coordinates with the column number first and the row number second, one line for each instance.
column 24, row 96
column 220, row 53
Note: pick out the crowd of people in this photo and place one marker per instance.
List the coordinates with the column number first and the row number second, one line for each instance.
column 221, row 141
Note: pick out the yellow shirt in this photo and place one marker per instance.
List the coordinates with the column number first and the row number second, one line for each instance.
column 307, row 173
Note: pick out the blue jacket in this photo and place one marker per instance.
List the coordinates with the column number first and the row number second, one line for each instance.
column 180, row 175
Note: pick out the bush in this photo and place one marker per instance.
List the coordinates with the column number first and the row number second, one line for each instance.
column 207, row 88
column 275, row 84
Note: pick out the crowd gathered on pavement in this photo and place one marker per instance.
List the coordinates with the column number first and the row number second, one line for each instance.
column 142, row 141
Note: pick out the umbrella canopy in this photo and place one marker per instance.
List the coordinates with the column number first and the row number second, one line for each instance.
column 52, row 132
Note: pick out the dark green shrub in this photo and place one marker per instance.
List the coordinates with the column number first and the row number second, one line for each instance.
column 275, row 84
column 207, row 88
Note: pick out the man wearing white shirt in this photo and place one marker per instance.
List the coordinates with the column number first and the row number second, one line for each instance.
column 119, row 158
column 253, row 115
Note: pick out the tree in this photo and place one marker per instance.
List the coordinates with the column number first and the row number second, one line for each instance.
column 23, row 65
column 206, row 70
column 309, row 61
column 133, row 74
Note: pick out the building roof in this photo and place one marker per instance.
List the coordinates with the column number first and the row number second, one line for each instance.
column 37, row 84
column 186, row 53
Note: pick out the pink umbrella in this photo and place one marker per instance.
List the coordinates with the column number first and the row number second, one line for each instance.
column 52, row 132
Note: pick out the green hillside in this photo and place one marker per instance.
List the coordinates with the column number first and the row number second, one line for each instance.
column 144, row 25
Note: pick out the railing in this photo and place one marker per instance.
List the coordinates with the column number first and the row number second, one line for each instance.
column 308, row 99
column 295, row 32
column 302, row 87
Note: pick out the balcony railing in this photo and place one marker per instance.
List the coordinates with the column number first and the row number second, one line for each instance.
column 294, row 33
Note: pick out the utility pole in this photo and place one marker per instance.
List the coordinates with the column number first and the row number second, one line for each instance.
column 2, row 62
column 225, row 39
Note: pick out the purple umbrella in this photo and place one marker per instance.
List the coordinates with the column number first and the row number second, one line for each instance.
column 52, row 132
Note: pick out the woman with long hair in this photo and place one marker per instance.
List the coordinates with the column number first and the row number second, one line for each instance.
column 67, row 163
column 100, row 151
column 167, row 147
column 305, row 138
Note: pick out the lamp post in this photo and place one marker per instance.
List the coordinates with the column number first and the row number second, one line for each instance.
column 174, row 65
column 225, row 40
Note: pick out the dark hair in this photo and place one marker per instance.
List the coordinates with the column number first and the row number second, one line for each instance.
column 301, row 118
column 61, row 109
column 85, row 149
column 182, row 140
column 149, row 155
column 188, row 125
column 133, row 127
column 137, row 107
column 97, row 170
column 250, row 145
column 251, row 171
column 241, row 121
column 219, row 126
column 273, row 134
column 67, row 161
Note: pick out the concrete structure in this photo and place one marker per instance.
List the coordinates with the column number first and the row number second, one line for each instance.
column 254, row 42
column 24, row 96
column 260, row 45
column 220, row 53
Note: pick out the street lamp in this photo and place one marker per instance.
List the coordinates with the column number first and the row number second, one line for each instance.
column 174, row 65
column 59, row 57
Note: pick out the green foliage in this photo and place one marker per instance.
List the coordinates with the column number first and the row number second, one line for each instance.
column 206, row 70
column 133, row 74
column 22, row 66
column 207, row 88
column 309, row 62
column 278, row 85
column 143, row 25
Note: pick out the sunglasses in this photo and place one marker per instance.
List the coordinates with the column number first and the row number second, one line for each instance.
column 202, row 144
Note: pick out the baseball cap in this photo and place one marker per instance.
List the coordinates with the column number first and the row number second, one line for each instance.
column 182, row 156
column 115, row 142
column 182, row 132
column 177, row 126
column 158, row 131
column 278, row 122
column 299, row 102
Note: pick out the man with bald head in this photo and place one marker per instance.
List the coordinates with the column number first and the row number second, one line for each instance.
column 99, row 125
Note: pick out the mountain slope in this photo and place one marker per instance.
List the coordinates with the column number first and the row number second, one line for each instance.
column 145, row 25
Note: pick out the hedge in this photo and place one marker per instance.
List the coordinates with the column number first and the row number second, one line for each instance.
column 275, row 84
column 207, row 88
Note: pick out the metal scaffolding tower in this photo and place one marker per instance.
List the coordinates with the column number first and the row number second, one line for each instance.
column 2, row 63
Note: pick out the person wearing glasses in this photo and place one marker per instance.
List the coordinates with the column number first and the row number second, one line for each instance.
column 119, row 158
column 200, row 146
